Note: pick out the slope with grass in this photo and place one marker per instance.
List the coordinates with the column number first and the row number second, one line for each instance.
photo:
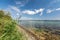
column 8, row 29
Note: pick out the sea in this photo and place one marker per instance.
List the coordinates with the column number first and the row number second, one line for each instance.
column 55, row 24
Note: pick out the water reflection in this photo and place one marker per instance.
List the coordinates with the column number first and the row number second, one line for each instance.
column 38, row 24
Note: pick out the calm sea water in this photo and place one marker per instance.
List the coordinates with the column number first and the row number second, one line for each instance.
column 41, row 23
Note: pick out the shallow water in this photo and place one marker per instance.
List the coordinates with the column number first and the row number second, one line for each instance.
column 40, row 23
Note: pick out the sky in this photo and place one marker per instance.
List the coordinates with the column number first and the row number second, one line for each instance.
column 32, row 9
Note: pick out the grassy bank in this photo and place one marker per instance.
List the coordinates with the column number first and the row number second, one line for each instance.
column 8, row 29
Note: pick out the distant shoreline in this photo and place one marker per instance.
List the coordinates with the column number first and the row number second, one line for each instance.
column 39, row 20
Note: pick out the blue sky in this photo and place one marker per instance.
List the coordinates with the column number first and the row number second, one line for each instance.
column 32, row 9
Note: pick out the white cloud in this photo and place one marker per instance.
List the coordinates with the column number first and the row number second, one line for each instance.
column 17, row 14
column 18, row 2
column 58, row 9
column 49, row 11
column 26, row 18
column 14, row 8
column 33, row 12
column 29, row 12
column 40, row 11
column 21, row 3
column 54, row 1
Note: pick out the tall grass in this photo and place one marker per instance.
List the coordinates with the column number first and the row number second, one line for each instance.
column 8, row 30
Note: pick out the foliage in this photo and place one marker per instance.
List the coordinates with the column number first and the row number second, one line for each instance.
column 8, row 30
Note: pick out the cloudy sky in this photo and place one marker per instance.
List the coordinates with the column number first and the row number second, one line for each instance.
column 32, row 9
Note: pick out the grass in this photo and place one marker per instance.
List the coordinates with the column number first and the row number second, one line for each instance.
column 8, row 29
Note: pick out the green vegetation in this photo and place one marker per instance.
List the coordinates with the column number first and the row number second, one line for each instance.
column 8, row 30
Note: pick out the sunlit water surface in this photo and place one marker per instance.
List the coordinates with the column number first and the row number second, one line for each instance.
column 40, row 23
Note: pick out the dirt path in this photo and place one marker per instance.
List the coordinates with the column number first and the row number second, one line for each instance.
column 28, row 34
